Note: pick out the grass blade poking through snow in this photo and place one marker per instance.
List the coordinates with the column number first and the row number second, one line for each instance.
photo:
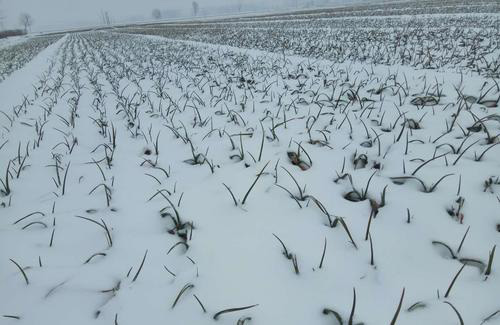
column 64, row 180
column 285, row 250
column 301, row 192
column 456, row 312
column 22, row 271
column 393, row 322
column 351, row 316
column 29, row 215
column 328, row 311
column 490, row 261
column 231, row 310
column 253, row 184
column 488, row 318
column 453, row 281
column 232, row 195
column 372, row 257
column 177, row 244
column 184, row 289
column 103, row 226
column 140, row 267
column 463, row 239
column 6, row 186
column 323, row 255
column 426, row 162
column 262, row 142
column 243, row 320
column 199, row 302
column 342, row 222
column 369, row 224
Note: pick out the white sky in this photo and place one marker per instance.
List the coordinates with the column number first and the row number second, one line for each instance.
column 56, row 14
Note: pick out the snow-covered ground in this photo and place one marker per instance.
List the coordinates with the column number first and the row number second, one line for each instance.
column 451, row 42
column 154, row 181
column 9, row 41
column 15, row 52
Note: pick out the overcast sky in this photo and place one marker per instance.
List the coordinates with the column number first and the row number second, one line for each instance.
column 55, row 14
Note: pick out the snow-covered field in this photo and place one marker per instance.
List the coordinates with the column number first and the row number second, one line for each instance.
column 15, row 52
column 9, row 41
column 147, row 180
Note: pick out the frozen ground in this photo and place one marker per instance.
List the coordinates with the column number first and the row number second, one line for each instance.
column 154, row 181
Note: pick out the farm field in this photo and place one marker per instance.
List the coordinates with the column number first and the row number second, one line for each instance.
column 333, row 166
column 15, row 53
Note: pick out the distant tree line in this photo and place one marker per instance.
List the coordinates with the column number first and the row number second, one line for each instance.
column 157, row 14
column 11, row 32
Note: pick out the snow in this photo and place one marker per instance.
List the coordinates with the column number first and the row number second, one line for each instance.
column 89, row 82
column 15, row 53
column 9, row 41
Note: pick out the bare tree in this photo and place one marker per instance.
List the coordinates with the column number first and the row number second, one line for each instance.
column 156, row 14
column 196, row 8
column 105, row 18
column 26, row 20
